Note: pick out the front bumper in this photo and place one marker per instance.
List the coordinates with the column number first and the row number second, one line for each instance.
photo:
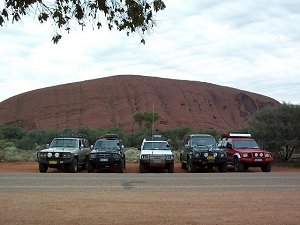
column 206, row 161
column 256, row 161
column 105, row 162
column 156, row 163
column 55, row 162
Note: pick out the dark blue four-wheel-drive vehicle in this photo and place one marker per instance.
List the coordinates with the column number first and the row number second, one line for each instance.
column 108, row 151
column 67, row 152
column 200, row 151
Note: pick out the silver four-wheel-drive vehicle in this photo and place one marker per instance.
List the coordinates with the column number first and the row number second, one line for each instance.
column 200, row 151
column 64, row 152
column 108, row 151
column 156, row 153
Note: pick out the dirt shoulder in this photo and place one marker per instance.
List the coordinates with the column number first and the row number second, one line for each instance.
column 32, row 167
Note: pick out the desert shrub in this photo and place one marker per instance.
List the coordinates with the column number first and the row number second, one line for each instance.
column 132, row 155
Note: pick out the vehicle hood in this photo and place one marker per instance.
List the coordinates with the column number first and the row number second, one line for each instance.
column 108, row 151
column 156, row 152
column 59, row 150
column 252, row 150
column 205, row 149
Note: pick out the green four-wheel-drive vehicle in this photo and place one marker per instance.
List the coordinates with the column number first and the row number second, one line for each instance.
column 64, row 152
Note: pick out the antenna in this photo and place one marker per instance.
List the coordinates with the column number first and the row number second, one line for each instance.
column 152, row 119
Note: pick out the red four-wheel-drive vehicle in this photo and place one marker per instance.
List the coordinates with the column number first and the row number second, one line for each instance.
column 243, row 152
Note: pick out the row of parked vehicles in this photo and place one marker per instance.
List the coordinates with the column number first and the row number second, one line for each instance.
column 200, row 151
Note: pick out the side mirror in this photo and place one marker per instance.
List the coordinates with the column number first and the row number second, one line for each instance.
column 47, row 145
column 139, row 148
column 186, row 146
column 91, row 147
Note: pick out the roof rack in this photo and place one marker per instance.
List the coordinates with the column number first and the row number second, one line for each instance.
column 109, row 136
column 237, row 135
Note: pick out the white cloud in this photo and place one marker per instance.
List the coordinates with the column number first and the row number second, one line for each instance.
column 251, row 45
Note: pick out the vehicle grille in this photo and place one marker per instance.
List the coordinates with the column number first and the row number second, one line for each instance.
column 157, row 157
column 104, row 155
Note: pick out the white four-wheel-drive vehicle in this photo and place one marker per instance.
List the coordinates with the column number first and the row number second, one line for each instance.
column 156, row 153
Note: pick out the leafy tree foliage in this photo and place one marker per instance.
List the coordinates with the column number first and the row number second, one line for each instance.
column 147, row 118
column 279, row 129
column 125, row 15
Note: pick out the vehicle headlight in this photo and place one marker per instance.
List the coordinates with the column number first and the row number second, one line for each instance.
column 56, row 154
column 245, row 155
column 261, row 154
column 267, row 155
column 42, row 154
column 93, row 156
column 215, row 154
column 49, row 154
column 205, row 154
column 169, row 157
column 144, row 156
column 255, row 154
column 116, row 156
column 67, row 155
column 222, row 155
column 197, row 155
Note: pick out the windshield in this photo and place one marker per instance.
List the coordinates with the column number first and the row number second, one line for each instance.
column 107, row 144
column 245, row 144
column 203, row 141
column 66, row 143
column 163, row 145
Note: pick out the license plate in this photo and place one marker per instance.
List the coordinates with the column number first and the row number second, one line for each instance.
column 156, row 161
column 52, row 162
column 258, row 160
column 210, row 157
column 103, row 160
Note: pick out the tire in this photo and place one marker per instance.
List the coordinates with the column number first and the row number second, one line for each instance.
column 237, row 165
column 171, row 168
column 124, row 163
column 142, row 168
column 222, row 168
column 83, row 166
column 266, row 167
column 73, row 168
column 121, row 167
column 191, row 167
column 90, row 167
column 43, row 168
column 183, row 165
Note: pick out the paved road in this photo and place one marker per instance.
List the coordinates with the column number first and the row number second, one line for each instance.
column 155, row 198
column 150, row 181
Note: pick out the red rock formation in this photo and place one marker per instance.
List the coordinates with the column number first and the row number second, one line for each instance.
column 111, row 102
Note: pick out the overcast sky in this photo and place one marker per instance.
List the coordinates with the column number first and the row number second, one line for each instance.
column 252, row 45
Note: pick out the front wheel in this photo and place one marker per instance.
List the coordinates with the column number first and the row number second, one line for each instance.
column 142, row 168
column 90, row 167
column 266, row 167
column 73, row 168
column 171, row 168
column 238, row 166
column 43, row 168
column 121, row 167
column 191, row 167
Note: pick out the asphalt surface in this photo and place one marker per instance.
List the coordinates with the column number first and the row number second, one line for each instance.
column 151, row 198
column 29, row 181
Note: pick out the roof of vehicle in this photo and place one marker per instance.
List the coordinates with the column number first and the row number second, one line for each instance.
column 110, row 137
